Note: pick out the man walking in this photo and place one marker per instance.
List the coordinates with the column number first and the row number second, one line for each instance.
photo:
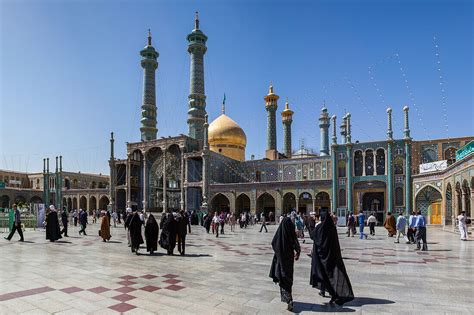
column 401, row 223
column 65, row 221
column 462, row 225
column 264, row 223
column 350, row 225
column 182, row 231
column 420, row 235
column 83, row 221
column 411, row 228
column 16, row 225
column 361, row 218
column 371, row 221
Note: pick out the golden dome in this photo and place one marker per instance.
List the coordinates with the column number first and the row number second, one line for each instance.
column 224, row 130
column 227, row 138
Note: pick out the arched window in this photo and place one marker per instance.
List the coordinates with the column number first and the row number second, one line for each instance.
column 399, row 196
column 450, row 155
column 380, row 161
column 398, row 166
column 369, row 162
column 358, row 163
column 429, row 155
column 341, row 169
column 342, row 198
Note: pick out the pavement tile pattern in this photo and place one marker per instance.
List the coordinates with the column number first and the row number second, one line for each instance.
column 229, row 274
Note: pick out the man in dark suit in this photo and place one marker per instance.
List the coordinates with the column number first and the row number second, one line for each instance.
column 16, row 225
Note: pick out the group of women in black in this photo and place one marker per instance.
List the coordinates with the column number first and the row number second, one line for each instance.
column 328, row 273
column 173, row 229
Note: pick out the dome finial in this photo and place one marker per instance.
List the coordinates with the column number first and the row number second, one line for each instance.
column 149, row 37
column 287, row 106
column 196, row 20
column 223, row 105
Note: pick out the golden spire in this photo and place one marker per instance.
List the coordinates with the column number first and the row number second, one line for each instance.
column 287, row 112
column 287, row 105
column 270, row 90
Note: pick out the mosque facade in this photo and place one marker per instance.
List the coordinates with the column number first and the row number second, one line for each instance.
column 206, row 169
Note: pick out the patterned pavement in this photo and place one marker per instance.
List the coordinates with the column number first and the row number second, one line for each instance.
column 229, row 274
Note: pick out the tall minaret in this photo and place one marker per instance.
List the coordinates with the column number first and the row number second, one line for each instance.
column 271, row 107
column 287, row 119
column 343, row 129
column 324, row 131
column 197, row 97
column 149, row 64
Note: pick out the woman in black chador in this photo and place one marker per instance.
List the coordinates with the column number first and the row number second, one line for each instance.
column 168, row 232
column 151, row 234
column 135, row 229
column 53, row 231
column 287, row 250
column 328, row 272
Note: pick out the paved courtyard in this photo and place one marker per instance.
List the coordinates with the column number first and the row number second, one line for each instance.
column 80, row 275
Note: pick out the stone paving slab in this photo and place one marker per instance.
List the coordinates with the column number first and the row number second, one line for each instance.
column 227, row 275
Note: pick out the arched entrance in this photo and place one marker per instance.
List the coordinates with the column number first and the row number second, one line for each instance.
column 74, row 203
column 323, row 202
column 466, row 194
column 103, row 203
column 428, row 201
column 242, row 204
column 36, row 199
column 92, row 203
column 266, row 204
column 289, row 203
column 83, row 203
column 305, row 203
column 220, row 203
column 69, row 204
column 448, row 220
column 5, row 201
column 370, row 197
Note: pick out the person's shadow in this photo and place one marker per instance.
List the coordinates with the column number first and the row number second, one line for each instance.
column 333, row 308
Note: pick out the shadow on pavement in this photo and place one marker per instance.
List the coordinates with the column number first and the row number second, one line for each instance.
column 115, row 242
column 299, row 307
column 360, row 301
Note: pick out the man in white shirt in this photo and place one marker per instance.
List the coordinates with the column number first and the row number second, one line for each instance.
column 462, row 225
column 372, row 221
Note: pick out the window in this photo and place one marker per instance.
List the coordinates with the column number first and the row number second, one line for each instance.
column 341, row 169
column 369, row 162
column 450, row 155
column 398, row 166
column 399, row 196
column 380, row 161
column 358, row 163
column 429, row 155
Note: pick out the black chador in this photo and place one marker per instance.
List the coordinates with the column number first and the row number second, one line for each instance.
column 328, row 272
column 287, row 250
column 168, row 233
column 151, row 234
column 53, row 231
column 135, row 229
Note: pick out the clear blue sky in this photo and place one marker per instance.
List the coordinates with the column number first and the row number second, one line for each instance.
column 70, row 70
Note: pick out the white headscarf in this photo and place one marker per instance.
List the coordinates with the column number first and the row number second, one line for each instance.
column 52, row 208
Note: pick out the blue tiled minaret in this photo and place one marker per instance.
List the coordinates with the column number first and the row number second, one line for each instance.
column 334, row 165
column 149, row 64
column 271, row 107
column 389, row 161
column 287, row 119
column 197, row 97
column 324, row 132
column 407, row 139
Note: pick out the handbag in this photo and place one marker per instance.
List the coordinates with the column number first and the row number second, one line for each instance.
column 100, row 233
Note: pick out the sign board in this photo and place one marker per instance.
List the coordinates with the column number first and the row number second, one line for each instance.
column 465, row 150
column 433, row 166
